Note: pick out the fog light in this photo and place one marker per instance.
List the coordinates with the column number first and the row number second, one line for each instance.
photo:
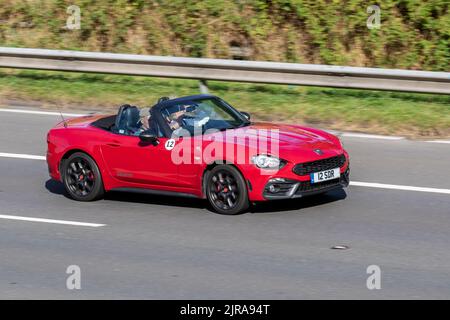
column 273, row 188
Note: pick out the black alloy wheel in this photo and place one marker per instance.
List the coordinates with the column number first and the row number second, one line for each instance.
column 82, row 178
column 226, row 190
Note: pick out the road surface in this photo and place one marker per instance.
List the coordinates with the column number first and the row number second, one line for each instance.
column 135, row 246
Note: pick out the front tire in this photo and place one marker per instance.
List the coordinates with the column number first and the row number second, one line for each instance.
column 226, row 190
column 82, row 178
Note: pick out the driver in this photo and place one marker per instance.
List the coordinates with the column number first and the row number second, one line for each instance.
column 175, row 119
column 187, row 115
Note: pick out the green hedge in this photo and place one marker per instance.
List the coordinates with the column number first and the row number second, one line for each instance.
column 414, row 34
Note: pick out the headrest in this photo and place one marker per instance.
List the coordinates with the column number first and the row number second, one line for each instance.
column 127, row 119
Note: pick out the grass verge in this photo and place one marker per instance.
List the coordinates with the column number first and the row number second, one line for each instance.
column 412, row 115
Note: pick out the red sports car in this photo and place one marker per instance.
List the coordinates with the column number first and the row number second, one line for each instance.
column 197, row 146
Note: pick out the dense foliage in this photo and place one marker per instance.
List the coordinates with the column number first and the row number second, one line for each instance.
column 414, row 34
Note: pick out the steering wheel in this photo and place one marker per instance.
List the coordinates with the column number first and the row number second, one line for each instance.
column 202, row 122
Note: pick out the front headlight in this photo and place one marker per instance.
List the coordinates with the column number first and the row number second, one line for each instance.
column 264, row 161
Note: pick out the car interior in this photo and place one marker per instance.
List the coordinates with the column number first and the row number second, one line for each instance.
column 127, row 122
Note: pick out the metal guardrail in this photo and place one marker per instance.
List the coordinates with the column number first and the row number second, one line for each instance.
column 227, row 70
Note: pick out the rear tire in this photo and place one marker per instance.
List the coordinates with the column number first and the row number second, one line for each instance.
column 82, row 178
column 226, row 190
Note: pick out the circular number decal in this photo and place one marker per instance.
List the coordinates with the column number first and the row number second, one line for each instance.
column 170, row 144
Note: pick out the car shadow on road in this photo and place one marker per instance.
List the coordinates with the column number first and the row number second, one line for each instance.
column 173, row 201
column 56, row 187
column 299, row 203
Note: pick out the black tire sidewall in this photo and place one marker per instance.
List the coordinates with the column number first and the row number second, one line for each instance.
column 243, row 202
column 98, row 191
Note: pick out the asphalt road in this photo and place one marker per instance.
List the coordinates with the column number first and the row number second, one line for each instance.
column 174, row 248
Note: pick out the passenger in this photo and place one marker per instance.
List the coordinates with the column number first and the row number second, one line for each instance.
column 144, row 119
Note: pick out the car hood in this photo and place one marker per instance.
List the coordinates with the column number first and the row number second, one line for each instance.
column 296, row 143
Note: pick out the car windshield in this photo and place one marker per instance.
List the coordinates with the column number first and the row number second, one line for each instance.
column 197, row 116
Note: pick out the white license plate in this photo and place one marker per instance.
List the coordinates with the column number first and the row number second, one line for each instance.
column 325, row 175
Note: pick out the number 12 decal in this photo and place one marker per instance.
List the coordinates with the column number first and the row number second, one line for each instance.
column 170, row 144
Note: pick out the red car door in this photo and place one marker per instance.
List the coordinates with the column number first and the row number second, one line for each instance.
column 129, row 160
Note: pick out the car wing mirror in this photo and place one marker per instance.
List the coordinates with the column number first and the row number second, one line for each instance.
column 148, row 137
column 246, row 115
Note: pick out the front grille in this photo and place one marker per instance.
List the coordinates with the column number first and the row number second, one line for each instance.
column 319, row 165
column 306, row 186
column 295, row 189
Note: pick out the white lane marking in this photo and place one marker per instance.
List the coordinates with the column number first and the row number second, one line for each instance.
column 342, row 134
column 363, row 135
column 439, row 141
column 21, row 156
column 72, row 223
column 353, row 183
column 45, row 113
column 370, row 136
column 398, row 187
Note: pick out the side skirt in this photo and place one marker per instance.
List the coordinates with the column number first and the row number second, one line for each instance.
column 156, row 192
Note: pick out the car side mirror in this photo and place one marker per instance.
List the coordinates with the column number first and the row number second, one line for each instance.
column 246, row 115
column 148, row 137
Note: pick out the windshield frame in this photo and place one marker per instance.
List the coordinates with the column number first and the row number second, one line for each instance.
column 220, row 103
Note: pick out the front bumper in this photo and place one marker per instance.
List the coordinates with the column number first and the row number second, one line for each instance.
column 287, row 188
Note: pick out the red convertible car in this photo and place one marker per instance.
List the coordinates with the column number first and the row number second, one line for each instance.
column 197, row 146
